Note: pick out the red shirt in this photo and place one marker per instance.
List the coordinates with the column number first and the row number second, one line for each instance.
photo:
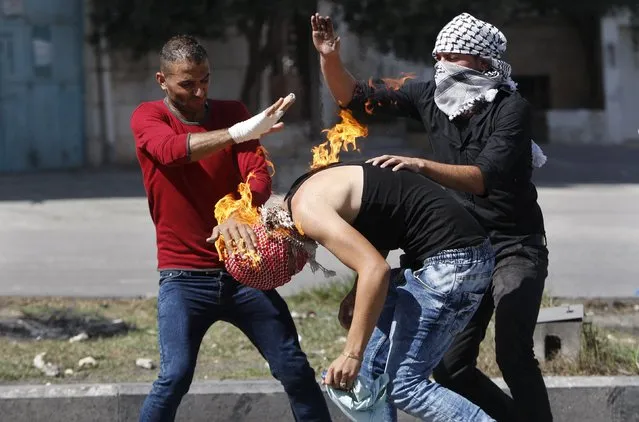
column 182, row 194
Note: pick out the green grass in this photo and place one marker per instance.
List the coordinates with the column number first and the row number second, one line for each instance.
column 226, row 353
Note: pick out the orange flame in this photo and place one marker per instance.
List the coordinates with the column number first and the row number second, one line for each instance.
column 340, row 137
column 395, row 84
column 243, row 211
column 368, row 106
column 389, row 83
column 264, row 153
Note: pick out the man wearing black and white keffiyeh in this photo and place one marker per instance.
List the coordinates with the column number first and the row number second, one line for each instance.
column 480, row 130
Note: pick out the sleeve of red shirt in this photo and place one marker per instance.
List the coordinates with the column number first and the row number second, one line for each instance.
column 154, row 136
column 251, row 159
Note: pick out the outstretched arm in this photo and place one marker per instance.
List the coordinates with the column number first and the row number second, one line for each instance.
column 379, row 96
column 323, row 224
column 340, row 82
column 156, row 138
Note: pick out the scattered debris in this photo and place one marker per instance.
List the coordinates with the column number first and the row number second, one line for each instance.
column 298, row 315
column 68, row 372
column 144, row 363
column 79, row 337
column 87, row 363
column 47, row 368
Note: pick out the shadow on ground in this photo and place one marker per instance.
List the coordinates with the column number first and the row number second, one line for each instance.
column 567, row 165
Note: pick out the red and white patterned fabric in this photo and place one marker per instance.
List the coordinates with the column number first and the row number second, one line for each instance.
column 279, row 260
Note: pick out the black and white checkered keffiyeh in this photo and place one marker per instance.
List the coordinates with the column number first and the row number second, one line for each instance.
column 459, row 89
column 466, row 34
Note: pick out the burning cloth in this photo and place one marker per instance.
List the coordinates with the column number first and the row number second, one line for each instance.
column 282, row 249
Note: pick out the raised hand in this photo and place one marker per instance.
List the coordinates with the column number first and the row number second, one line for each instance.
column 324, row 38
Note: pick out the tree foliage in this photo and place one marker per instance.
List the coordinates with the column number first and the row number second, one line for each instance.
column 142, row 26
column 409, row 28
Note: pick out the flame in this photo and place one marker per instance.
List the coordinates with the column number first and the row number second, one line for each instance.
column 368, row 106
column 243, row 211
column 264, row 153
column 339, row 138
column 389, row 83
column 395, row 84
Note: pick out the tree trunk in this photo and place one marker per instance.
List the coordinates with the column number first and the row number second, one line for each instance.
column 589, row 31
column 308, row 67
column 254, row 69
column 260, row 56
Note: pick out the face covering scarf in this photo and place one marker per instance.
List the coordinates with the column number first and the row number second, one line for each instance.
column 459, row 89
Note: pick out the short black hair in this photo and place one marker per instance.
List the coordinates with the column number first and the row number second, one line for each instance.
column 182, row 48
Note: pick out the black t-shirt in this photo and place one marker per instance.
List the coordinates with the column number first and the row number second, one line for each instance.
column 404, row 210
column 497, row 139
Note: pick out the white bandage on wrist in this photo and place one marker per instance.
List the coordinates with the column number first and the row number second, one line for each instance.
column 254, row 127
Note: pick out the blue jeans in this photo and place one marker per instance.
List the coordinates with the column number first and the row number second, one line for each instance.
column 189, row 302
column 424, row 311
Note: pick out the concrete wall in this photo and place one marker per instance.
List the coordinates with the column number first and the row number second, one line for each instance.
column 534, row 48
column 577, row 126
column 133, row 81
column 549, row 47
column 621, row 73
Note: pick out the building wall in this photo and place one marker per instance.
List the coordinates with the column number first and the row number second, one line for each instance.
column 550, row 48
column 621, row 73
column 535, row 48
column 133, row 81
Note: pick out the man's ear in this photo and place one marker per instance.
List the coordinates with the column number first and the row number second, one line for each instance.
column 161, row 79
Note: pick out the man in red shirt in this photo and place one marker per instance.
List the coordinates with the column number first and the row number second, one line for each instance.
column 193, row 151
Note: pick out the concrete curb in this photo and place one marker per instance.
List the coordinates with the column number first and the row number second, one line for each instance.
column 583, row 399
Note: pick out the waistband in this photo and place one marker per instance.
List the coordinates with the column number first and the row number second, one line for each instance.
column 195, row 273
column 477, row 253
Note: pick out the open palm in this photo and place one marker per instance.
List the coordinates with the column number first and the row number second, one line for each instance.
column 324, row 37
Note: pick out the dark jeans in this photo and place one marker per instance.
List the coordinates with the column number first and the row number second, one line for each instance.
column 189, row 302
column 517, row 287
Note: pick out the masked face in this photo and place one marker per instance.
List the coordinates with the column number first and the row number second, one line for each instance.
column 444, row 69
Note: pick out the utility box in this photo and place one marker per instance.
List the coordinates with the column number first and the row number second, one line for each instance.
column 558, row 332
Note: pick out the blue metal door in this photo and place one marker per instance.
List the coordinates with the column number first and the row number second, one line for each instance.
column 41, row 85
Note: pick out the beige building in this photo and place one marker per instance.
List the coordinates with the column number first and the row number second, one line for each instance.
column 576, row 103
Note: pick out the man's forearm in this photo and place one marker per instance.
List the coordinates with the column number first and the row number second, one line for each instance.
column 457, row 177
column 369, row 302
column 201, row 145
column 340, row 82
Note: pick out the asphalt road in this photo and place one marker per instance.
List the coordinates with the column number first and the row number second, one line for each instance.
column 88, row 233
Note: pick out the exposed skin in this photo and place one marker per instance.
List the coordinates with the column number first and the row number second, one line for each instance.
column 342, row 85
column 186, row 84
column 325, row 206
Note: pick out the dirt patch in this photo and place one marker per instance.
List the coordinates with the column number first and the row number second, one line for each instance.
column 59, row 324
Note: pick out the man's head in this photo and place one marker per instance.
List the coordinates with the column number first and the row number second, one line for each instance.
column 184, row 74
column 283, row 252
column 469, row 70
column 472, row 43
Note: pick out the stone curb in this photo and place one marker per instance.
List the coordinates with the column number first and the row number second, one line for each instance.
column 583, row 399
